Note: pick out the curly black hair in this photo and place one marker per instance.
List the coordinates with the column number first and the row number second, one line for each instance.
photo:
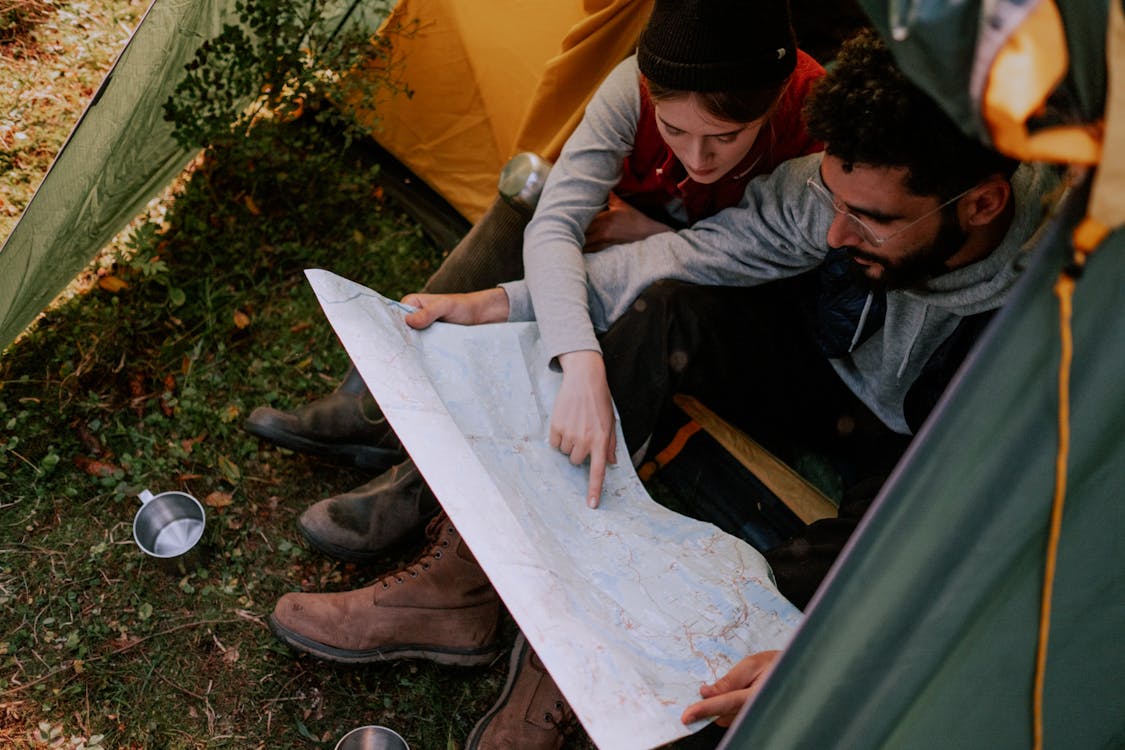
column 866, row 111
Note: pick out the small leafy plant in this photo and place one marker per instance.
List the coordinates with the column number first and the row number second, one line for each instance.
column 282, row 57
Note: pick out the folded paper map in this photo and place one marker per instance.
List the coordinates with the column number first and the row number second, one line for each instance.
column 630, row 606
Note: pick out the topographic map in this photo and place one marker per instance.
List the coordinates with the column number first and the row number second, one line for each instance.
column 630, row 606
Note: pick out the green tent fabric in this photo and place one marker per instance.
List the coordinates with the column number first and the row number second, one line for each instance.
column 924, row 635
column 119, row 156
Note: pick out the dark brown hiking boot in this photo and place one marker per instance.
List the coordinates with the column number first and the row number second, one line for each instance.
column 346, row 425
column 361, row 525
column 441, row 607
column 531, row 713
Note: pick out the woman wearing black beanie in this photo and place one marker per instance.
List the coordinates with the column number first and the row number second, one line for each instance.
column 711, row 99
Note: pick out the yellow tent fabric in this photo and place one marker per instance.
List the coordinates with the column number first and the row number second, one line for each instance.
column 491, row 79
column 607, row 34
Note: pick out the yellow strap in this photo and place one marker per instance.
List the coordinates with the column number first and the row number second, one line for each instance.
column 1064, row 289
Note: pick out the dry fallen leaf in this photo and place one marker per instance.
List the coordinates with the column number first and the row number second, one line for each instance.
column 251, row 206
column 189, row 443
column 95, row 468
column 218, row 499
column 241, row 319
column 112, row 284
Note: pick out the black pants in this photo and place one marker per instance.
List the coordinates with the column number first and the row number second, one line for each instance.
column 491, row 252
column 748, row 354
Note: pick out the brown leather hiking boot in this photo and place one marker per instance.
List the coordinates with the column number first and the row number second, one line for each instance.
column 346, row 425
column 360, row 525
column 531, row 713
column 441, row 607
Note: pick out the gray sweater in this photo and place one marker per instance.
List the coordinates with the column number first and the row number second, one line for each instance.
column 577, row 189
column 779, row 230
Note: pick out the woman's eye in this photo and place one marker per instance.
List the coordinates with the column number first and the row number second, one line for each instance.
column 725, row 138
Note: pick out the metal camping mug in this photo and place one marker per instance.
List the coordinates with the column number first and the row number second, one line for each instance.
column 521, row 180
column 168, row 527
column 372, row 738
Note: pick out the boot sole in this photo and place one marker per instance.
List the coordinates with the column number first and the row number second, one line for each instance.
column 521, row 647
column 450, row 657
column 361, row 456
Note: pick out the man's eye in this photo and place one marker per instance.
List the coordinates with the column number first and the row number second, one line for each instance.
column 876, row 220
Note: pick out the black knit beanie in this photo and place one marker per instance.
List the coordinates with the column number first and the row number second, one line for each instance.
column 718, row 45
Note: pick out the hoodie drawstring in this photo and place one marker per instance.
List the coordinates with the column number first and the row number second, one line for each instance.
column 867, row 303
column 913, row 339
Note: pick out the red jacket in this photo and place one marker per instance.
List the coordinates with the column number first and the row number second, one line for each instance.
column 652, row 175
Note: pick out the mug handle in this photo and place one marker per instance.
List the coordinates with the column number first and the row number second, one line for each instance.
column 145, row 496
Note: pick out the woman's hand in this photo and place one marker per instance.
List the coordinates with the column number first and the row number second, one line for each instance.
column 620, row 223
column 582, row 423
column 730, row 692
column 487, row 306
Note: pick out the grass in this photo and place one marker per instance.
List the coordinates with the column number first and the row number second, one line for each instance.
column 53, row 56
column 143, row 383
column 190, row 321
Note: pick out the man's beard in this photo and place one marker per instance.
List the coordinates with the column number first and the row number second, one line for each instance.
column 919, row 265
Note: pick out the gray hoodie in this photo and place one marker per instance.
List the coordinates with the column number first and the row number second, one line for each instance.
column 779, row 230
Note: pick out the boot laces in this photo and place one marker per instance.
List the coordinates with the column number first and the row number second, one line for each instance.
column 559, row 714
column 561, row 717
column 438, row 533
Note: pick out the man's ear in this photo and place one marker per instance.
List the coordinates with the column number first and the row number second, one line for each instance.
column 986, row 201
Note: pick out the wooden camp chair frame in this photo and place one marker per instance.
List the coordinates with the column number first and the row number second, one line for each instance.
column 797, row 493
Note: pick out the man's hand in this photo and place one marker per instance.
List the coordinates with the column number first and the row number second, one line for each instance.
column 620, row 223
column 487, row 306
column 582, row 424
column 730, row 692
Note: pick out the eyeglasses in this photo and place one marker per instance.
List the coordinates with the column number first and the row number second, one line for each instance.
column 869, row 235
